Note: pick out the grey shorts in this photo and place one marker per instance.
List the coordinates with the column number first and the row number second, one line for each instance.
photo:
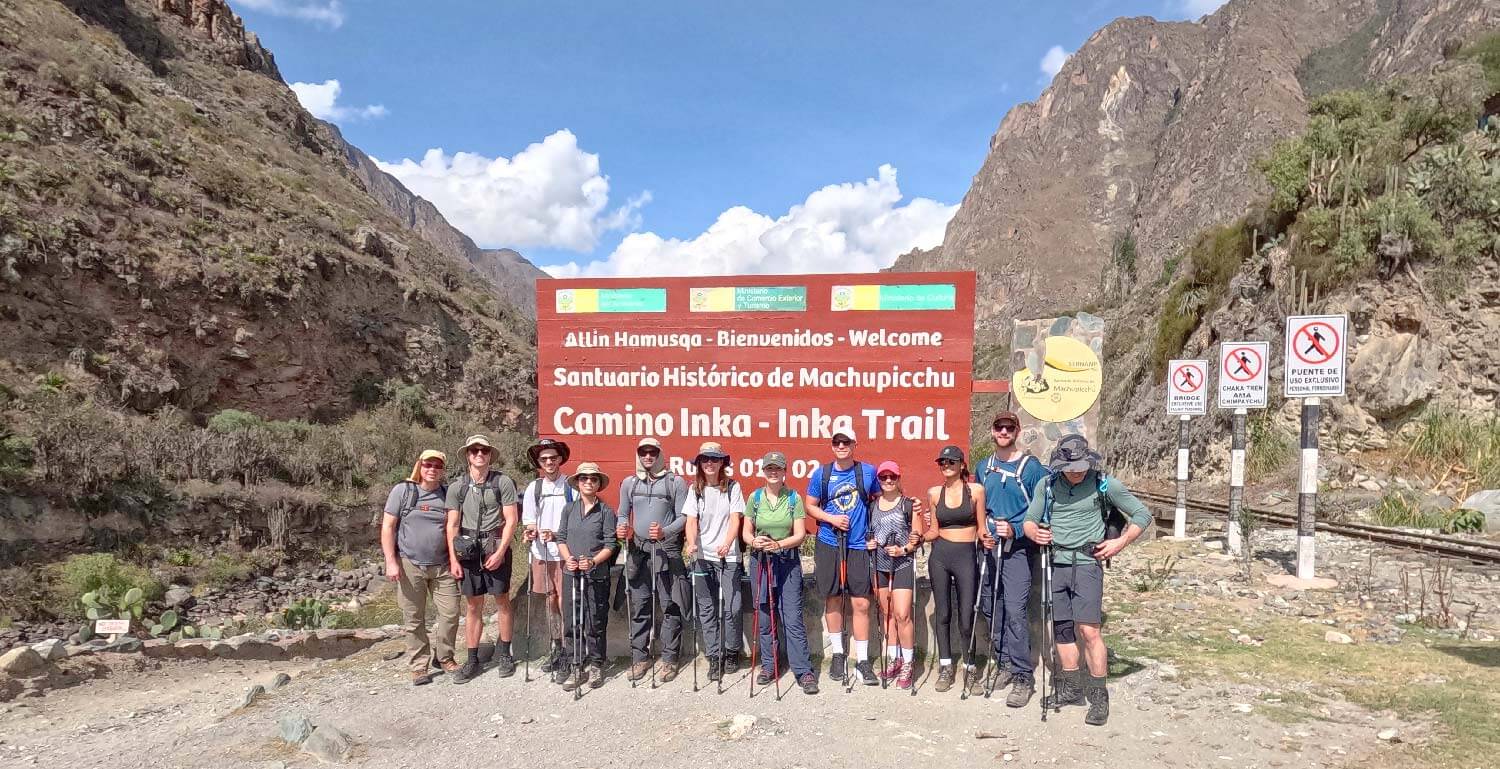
column 1078, row 592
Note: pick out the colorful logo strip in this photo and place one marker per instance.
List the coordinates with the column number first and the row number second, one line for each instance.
column 749, row 299
column 921, row 296
column 572, row 301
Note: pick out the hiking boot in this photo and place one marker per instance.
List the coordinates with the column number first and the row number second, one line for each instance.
column 554, row 660
column 1022, row 687
column 505, row 666
column 764, row 678
column 809, row 683
column 836, row 666
column 903, row 679
column 596, row 675
column 576, row 678
column 713, row 669
column 1001, row 679
column 638, row 670
column 976, row 681
column 666, row 671
column 420, row 678
column 468, row 672
column 1098, row 698
column 866, row 673
column 892, row 670
column 945, row 677
column 731, row 664
column 449, row 666
column 1069, row 691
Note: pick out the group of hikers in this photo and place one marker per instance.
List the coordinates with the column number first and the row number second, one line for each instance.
column 684, row 539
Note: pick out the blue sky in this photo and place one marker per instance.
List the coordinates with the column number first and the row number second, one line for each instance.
column 667, row 137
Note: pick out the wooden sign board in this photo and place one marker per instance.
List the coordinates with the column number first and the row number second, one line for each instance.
column 757, row 363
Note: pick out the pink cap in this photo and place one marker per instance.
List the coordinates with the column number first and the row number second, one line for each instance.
column 888, row 466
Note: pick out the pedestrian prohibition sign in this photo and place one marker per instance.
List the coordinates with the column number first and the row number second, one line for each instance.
column 1316, row 349
column 1242, row 375
column 1186, row 393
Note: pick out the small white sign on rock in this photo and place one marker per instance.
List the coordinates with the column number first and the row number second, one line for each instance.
column 111, row 626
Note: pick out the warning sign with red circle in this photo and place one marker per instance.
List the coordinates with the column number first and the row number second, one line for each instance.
column 1186, row 391
column 1242, row 375
column 1316, row 349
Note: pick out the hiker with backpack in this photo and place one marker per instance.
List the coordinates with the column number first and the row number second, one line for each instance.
column 1086, row 518
column 715, row 504
column 481, row 521
column 542, row 505
column 413, row 538
column 897, row 532
column 775, row 525
column 957, row 517
column 1008, row 477
column 838, row 496
column 586, row 540
column 651, row 522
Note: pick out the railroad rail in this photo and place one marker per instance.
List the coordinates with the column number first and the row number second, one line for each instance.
column 1485, row 553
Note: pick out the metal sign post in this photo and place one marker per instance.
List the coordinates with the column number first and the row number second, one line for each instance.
column 1315, row 353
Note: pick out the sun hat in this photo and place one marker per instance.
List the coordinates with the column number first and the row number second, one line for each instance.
column 1073, row 455
column 589, row 468
column 712, row 450
column 416, row 469
column 773, row 459
column 547, row 443
column 888, row 466
column 477, row 440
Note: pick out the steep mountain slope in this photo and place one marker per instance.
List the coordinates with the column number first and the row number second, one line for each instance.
column 177, row 229
column 507, row 269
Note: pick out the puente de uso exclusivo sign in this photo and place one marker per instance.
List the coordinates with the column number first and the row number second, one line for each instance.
column 761, row 363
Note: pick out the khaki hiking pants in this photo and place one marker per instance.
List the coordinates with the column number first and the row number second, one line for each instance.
column 418, row 584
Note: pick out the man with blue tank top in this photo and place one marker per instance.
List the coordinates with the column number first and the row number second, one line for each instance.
column 1009, row 475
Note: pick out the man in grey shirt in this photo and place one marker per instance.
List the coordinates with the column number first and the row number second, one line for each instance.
column 482, row 505
column 651, row 521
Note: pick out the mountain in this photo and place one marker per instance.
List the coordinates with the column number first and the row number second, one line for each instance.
column 175, row 229
column 507, row 269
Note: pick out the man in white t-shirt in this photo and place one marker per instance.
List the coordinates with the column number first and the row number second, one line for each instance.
column 542, row 504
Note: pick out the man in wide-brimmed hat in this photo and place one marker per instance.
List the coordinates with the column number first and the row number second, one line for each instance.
column 542, row 505
column 652, row 522
column 1069, row 511
column 482, row 516
column 586, row 540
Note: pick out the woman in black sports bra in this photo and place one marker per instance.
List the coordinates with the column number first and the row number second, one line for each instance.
column 958, row 512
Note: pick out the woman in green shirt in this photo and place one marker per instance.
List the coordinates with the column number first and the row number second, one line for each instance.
column 773, row 530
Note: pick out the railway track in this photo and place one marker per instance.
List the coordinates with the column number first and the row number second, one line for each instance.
column 1484, row 553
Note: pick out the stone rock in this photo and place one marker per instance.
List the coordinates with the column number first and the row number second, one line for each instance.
column 179, row 597
column 51, row 649
column 123, row 646
column 737, row 727
column 1487, row 502
column 158, row 648
column 1335, row 637
column 328, row 743
column 250, row 696
column 1242, row 707
column 294, row 728
column 22, row 662
column 281, row 679
column 1390, row 735
column 1393, row 375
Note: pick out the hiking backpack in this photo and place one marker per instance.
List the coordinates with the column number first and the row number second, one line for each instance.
column 1007, row 475
column 536, row 493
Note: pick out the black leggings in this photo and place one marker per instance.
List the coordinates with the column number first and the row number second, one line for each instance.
column 953, row 566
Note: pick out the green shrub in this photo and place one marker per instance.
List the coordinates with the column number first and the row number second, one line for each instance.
column 1402, row 509
column 1268, row 447
column 226, row 569
column 1464, row 521
column 1446, row 438
column 234, row 420
column 1486, row 51
column 82, row 574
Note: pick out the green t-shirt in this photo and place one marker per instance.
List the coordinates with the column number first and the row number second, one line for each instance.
column 1075, row 516
column 483, row 503
column 774, row 517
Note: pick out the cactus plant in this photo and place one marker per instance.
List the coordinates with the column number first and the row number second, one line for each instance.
column 164, row 624
column 305, row 613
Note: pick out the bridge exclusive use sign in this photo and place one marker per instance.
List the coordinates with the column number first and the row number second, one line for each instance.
column 759, row 363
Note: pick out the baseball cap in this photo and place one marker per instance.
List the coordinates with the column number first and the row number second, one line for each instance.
column 1006, row 416
column 843, row 435
column 773, row 459
column 416, row 469
column 951, row 452
column 888, row 466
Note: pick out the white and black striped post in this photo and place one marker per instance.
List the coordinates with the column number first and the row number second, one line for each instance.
column 1179, row 521
column 1236, row 479
column 1307, row 498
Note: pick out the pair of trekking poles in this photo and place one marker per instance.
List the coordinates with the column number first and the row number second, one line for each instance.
column 765, row 589
column 700, row 570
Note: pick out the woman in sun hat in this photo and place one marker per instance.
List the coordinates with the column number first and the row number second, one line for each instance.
column 714, row 506
column 586, row 539
column 413, row 537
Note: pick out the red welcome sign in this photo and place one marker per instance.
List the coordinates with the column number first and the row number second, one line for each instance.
column 757, row 363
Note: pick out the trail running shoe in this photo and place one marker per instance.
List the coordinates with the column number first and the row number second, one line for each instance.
column 836, row 666
column 903, row 679
column 892, row 670
column 505, row 666
column 866, row 673
column 809, row 683
column 468, row 672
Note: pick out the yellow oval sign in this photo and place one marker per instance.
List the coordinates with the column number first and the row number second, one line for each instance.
column 1069, row 385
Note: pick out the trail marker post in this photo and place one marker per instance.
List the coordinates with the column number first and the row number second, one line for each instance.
column 1187, row 396
column 1315, row 354
column 1242, row 386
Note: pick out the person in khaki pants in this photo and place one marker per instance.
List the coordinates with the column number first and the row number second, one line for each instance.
column 414, row 537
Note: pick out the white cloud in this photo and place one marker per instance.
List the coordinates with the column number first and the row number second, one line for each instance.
column 550, row 194
column 850, row 227
column 1193, row 9
column 330, row 12
column 1052, row 60
column 321, row 99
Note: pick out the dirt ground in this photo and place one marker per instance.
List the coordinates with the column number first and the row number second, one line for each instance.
column 182, row 715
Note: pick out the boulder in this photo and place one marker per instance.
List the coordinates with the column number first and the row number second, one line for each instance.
column 179, row 597
column 1393, row 375
column 1487, row 502
column 22, row 662
column 328, row 743
column 51, row 649
column 294, row 728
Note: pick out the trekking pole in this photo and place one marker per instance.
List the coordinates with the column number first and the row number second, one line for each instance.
column 911, row 561
column 879, row 609
column 843, row 591
column 1049, row 639
column 577, row 594
column 989, row 686
column 775, row 639
column 653, row 641
column 526, row 643
column 974, row 626
column 699, row 642
column 756, row 595
column 723, row 623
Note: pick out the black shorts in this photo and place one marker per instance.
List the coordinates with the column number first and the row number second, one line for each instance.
column 904, row 578
column 856, row 571
column 1078, row 592
column 477, row 581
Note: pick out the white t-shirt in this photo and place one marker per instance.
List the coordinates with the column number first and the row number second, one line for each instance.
column 554, row 498
column 712, row 513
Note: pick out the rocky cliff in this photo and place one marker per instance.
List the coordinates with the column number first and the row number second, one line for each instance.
column 176, row 230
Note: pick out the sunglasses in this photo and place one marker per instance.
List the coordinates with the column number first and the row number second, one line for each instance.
column 479, row 450
column 947, row 462
column 588, row 478
column 889, row 477
column 706, row 460
column 647, row 452
column 432, row 465
column 1005, row 428
column 839, row 443
column 548, row 458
